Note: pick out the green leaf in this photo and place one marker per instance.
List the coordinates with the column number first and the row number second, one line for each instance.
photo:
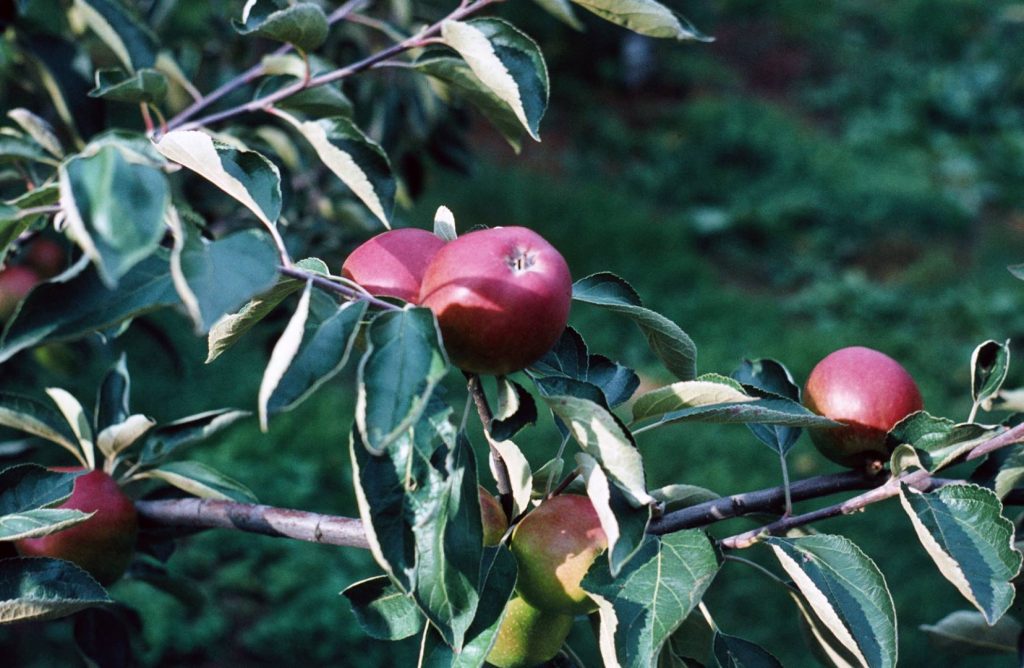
column 624, row 525
column 247, row 176
column 33, row 417
column 27, row 487
column 682, row 496
column 520, row 474
column 404, row 360
column 516, row 409
column 602, row 436
column 214, row 278
column 167, row 439
column 1001, row 471
column 652, row 595
column 15, row 147
column 507, row 62
column 112, row 398
column 846, row 591
column 115, row 209
column 40, row 130
column 824, row 644
column 319, row 102
column 618, row 383
column 646, row 17
column 78, row 420
column 144, row 86
column 687, row 394
column 940, row 439
column 36, row 523
column 354, row 158
column 200, row 480
column 569, row 357
column 37, row 589
column 733, row 652
column 671, row 344
column 964, row 532
column 383, row 610
column 561, row 10
column 767, row 375
column 130, row 40
column 967, row 632
column 228, row 330
column 330, row 334
column 302, row 24
column 990, row 363
column 284, row 352
column 119, row 437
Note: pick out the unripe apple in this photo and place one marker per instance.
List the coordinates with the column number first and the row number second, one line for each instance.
column 15, row 283
column 866, row 390
column 501, row 297
column 392, row 264
column 46, row 257
column 102, row 544
column 554, row 546
column 528, row 636
column 494, row 520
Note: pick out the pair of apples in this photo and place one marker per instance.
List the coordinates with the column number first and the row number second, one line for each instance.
column 501, row 295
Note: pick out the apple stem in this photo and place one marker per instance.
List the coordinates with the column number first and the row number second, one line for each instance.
column 501, row 476
column 565, row 483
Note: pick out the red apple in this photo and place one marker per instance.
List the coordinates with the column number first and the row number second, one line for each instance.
column 528, row 636
column 103, row 543
column 555, row 545
column 15, row 283
column 46, row 257
column 501, row 297
column 493, row 517
column 392, row 264
column 866, row 390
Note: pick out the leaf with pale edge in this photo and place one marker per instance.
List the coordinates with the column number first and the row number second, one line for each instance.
column 39, row 129
column 846, row 592
column 652, row 595
column 671, row 344
column 37, row 589
column 144, row 86
column 115, row 209
column 403, row 362
column 173, row 436
column 37, row 523
column 964, row 532
column 247, row 176
column 507, row 62
column 131, row 40
column 771, row 376
column 302, row 24
column 624, row 525
column 383, row 610
column 733, row 652
column 36, row 418
column 940, row 439
column 113, row 396
column 200, row 480
column 516, row 409
column 990, row 363
column 646, row 17
column 967, row 632
column 283, row 354
column 28, row 494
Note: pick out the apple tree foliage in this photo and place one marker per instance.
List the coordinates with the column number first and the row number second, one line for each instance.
column 110, row 143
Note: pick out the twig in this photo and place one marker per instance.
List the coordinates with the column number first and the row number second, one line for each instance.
column 502, row 480
column 327, row 284
column 565, row 483
column 266, row 520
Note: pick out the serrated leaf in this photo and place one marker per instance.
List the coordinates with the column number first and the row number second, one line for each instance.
column 283, row 354
column 569, row 357
column 115, row 209
column 32, row 417
column 964, row 532
column 112, row 398
column 403, row 362
column 733, row 652
column 846, row 591
column 507, row 62
column 37, row 128
column 247, row 176
column 601, row 435
column 646, row 17
column 354, row 158
column 200, row 480
column 624, row 525
column 144, row 86
column 37, row 523
column 941, row 439
column 214, row 278
column 169, row 438
column 652, row 595
column 331, row 333
column 130, row 40
column 119, row 437
column 302, row 24
column 771, row 376
column 967, row 632
column 37, row 589
column 383, row 610
column 990, row 363
column 669, row 342
column 27, row 487
column 229, row 329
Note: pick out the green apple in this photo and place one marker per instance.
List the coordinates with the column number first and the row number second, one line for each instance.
column 555, row 545
column 868, row 392
column 528, row 636
column 104, row 543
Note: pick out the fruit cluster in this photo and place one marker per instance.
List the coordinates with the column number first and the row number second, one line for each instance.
column 41, row 260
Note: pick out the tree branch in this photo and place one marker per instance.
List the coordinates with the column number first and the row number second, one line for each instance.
column 266, row 520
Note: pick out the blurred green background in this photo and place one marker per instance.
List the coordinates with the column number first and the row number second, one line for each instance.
column 822, row 175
